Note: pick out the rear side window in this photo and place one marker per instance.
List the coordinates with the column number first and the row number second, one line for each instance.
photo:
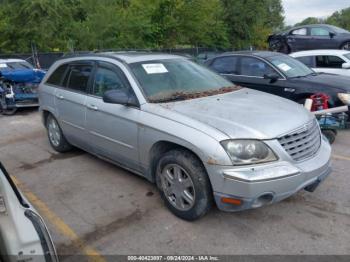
column 307, row 60
column 78, row 77
column 225, row 65
column 329, row 61
column 57, row 75
column 251, row 66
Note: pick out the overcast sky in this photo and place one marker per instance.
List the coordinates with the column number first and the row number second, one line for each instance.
column 297, row 10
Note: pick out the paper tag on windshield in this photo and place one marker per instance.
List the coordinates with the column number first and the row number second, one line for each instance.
column 284, row 67
column 3, row 65
column 154, row 68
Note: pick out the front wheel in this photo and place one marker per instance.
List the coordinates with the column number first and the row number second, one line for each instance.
column 184, row 184
column 345, row 46
column 56, row 137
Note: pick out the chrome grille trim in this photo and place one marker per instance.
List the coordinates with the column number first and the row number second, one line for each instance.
column 302, row 143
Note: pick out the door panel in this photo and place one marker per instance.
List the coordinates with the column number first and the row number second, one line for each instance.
column 320, row 38
column 71, row 102
column 112, row 128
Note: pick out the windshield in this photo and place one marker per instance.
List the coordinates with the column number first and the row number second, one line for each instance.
column 178, row 79
column 290, row 67
column 15, row 65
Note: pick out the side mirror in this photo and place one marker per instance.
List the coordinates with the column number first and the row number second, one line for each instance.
column 272, row 76
column 121, row 97
column 345, row 65
column 331, row 34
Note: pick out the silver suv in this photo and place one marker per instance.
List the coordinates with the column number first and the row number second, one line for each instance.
column 187, row 129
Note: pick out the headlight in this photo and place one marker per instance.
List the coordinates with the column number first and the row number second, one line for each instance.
column 245, row 152
column 345, row 98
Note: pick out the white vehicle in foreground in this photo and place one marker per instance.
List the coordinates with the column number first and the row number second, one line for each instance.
column 23, row 233
column 326, row 61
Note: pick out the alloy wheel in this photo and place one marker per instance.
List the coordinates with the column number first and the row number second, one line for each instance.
column 54, row 132
column 178, row 187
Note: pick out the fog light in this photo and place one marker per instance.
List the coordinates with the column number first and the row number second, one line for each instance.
column 262, row 200
column 232, row 201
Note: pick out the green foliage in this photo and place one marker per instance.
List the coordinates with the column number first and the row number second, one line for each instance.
column 64, row 25
column 340, row 18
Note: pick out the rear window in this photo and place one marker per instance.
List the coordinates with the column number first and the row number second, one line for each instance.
column 57, row 75
column 78, row 77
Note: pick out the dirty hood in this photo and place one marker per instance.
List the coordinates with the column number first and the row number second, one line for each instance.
column 242, row 114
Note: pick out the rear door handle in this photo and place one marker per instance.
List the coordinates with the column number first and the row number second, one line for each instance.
column 289, row 90
column 60, row 97
column 92, row 107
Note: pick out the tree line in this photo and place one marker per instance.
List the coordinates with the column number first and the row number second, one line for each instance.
column 73, row 25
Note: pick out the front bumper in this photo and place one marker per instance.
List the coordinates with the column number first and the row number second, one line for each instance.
column 259, row 185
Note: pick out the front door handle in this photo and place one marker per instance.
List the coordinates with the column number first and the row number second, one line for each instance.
column 291, row 90
column 60, row 97
column 92, row 107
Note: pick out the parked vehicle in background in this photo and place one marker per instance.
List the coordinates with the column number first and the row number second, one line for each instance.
column 19, row 81
column 326, row 61
column 182, row 126
column 308, row 37
column 202, row 57
column 23, row 233
column 281, row 75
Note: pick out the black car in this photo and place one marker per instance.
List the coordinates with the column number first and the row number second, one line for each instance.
column 307, row 37
column 281, row 75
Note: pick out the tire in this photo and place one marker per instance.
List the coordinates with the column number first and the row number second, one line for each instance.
column 345, row 46
column 55, row 135
column 284, row 48
column 330, row 135
column 9, row 112
column 184, row 184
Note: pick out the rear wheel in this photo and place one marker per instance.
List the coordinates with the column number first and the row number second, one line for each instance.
column 345, row 46
column 55, row 134
column 184, row 184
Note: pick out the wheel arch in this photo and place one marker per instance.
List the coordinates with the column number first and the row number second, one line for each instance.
column 343, row 43
column 160, row 148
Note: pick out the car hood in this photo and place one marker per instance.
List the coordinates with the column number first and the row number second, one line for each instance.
column 338, row 82
column 241, row 114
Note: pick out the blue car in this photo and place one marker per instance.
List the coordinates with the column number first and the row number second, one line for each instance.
column 19, row 81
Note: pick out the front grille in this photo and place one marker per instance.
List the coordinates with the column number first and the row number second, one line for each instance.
column 302, row 143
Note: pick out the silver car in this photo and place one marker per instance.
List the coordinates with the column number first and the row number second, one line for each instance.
column 178, row 124
column 23, row 233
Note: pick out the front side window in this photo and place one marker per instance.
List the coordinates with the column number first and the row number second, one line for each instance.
column 225, row 65
column 78, row 77
column 300, row 31
column 177, row 79
column 251, row 66
column 56, row 77
column 289, row 66
column 307, row 60
column 319, row 31
column 108, row 78
column 329, row 61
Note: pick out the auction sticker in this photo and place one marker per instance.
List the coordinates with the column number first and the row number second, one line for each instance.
column 154, row 68
column 284, row 67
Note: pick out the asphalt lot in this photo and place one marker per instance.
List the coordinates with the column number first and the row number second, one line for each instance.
column 93, row 207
